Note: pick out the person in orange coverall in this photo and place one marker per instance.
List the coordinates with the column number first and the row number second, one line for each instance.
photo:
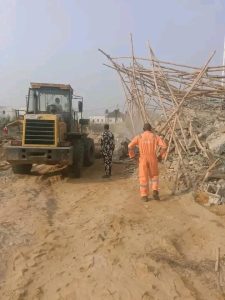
column 148, row 144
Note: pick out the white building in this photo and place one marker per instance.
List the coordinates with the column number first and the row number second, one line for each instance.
column 98, row 120
column 114, row 117
column 7, row 113
column 110, row 118
column 113, row 120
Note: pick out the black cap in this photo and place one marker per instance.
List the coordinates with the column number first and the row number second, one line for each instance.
column 106, row 126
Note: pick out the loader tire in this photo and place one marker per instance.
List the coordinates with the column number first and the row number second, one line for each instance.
column 22, row 169
column 78, row 159
column 89, row 154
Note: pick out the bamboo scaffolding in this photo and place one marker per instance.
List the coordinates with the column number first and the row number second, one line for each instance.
column 167, row 89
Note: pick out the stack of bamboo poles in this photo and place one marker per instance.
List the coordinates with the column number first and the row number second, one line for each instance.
column 151, row 85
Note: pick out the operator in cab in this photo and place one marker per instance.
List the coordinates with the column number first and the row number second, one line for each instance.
column 58, row 105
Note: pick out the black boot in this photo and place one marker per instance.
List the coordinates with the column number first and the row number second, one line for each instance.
column 105, row 176
column 144, row 198
column 156, row 195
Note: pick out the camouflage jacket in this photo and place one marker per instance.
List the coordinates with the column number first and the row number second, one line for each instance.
column 107, row 143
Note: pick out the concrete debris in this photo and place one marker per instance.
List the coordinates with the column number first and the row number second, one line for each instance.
column 216, row 142
column 214, row 199
column 121, row 148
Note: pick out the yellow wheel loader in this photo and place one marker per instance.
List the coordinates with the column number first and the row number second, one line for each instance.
column 52, row 132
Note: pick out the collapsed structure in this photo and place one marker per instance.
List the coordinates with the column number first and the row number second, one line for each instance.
column 189, row 103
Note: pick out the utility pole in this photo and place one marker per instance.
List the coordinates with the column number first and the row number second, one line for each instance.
column 223, row 74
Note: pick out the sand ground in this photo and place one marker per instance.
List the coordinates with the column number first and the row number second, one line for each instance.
column 90, row 238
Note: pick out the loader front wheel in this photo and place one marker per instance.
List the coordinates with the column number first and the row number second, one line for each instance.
column 89, row 155
column 78, row 159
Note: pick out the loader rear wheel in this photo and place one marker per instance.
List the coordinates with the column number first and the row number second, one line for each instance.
column 22, row 169
column 89, row 154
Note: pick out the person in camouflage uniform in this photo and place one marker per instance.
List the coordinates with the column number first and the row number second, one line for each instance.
column 107, row 148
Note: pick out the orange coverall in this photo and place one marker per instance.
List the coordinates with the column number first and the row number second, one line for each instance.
column 148, row 144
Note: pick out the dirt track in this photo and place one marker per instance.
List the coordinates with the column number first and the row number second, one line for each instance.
column 94, row 239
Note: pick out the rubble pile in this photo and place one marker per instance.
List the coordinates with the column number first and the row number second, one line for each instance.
column 189, row 101
column 2, row 143
column 121, row 148
column 4, row 165
column 205, row 159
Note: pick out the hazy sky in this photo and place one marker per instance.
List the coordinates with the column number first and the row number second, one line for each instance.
column 58, row 41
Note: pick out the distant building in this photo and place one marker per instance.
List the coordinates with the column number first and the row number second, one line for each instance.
column 110, row 117
column 97, row 119
column 7, row 113
column 114, row 117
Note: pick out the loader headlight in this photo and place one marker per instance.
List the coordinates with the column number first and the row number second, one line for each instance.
column 65, row 144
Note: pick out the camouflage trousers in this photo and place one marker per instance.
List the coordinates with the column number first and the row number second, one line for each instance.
column 108, row 163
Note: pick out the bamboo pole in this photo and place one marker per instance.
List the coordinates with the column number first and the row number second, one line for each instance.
column 190, row 89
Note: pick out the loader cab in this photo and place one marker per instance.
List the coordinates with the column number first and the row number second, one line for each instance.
column 52, row 99
column 49, row 100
